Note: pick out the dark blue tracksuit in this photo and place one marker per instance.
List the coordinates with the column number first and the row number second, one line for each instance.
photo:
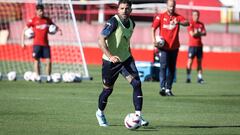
column 168, row 60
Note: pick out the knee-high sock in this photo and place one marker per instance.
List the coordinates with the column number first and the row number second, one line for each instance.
column 103, row 98
column 137, row 94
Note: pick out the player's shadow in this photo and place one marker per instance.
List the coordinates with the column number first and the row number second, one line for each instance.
column 148, row 128
column 153, row 128
column 180, row 96
column 200, row 126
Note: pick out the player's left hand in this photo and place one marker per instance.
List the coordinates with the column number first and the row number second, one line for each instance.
column 157, row 45
column 23, row 45
column 60, row 32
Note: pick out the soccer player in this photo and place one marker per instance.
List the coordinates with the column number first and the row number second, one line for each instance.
column 114, row 42
column 168, row 23
column 196, row 30
column 41, row 48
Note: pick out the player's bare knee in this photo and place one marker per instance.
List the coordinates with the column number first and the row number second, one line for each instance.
column 48, row 61
column 129, row 78
column 36, row 60
column 107, row 87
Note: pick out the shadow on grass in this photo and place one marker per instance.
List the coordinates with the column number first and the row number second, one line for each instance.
column 201, row 126
column 180, row 96
column 152, row 128
column 157, row 128
column 148, row 128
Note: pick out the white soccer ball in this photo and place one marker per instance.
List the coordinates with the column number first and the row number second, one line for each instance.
column 71, row 77
column 160, row 40
column 12, row 76
column 56, row 77
column 27, row 75
column 34, row 77
column 132, row 121
column 52, row 29
column 65, row 77
column 78, row 77
column 29, row 33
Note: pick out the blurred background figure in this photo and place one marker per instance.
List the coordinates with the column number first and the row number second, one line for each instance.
column 168, row 23
column 41, row 49
column 196, row 30
column 4, row 32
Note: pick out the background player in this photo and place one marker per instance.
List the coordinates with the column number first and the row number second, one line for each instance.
column 41, row 48
column 168, row 23
column 114, row 42
column 196, row 30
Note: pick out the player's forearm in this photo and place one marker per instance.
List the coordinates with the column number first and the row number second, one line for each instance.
column 192, row 33
column 23, row 37
column 103, row 46
column 59, row 29
column 184, row 23
column 198, row 34
column 153, row 35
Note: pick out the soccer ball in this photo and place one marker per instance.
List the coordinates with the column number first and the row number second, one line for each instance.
column 52, row 29
column 65, row 77
column 12, row 76
column 27, row 75
column 29, row 33
column 68, row 77
column 56, row 77
column 132, row 121
column 78, row 77
column 71, row 77
column 34, row 77
column 160, row 41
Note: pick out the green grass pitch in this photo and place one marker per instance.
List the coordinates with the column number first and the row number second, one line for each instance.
column 28, row 108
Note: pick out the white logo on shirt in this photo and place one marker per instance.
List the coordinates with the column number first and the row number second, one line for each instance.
column 171, row 25
column 41, row 26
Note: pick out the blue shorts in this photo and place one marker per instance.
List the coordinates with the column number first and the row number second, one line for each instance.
column 41, row 52
column 110, row 71
column 195, row 52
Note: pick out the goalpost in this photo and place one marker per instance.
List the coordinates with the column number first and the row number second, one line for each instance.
column 66, row 49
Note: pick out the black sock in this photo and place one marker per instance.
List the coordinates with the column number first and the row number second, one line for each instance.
column 137, row 94
column 188, row 71
column 103, row 97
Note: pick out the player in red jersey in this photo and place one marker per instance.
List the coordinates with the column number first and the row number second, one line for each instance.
column 196, row 30
column 168, row 23
column 41, row 49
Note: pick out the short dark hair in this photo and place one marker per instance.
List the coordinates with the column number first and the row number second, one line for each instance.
column 39, row 6
column 197, row 11
column 171, row 0
column 129, row 2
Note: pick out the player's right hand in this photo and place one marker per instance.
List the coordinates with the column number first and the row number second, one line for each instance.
column 114, row 59
column 23, row 45
column 157, row 45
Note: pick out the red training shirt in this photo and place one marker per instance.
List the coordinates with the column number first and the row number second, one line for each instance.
column 40, row 27
column 195, row 26
column 168, row 30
